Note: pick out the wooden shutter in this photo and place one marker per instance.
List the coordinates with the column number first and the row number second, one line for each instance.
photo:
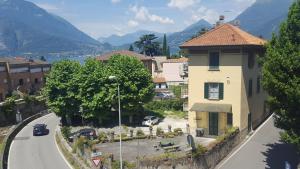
column 206, row 90
column 221, row 91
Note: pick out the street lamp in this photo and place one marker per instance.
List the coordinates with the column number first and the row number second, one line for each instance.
column 120, row 127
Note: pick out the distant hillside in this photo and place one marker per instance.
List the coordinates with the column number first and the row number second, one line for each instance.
column 27, row 29
column 177, row 38
column 264, row 16
column 129, row 38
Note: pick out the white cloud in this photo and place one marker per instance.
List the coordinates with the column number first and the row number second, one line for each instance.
column 182, row 4
column 115, row 1
column 132, row 23
column 47, row 7
column 143, row 14
column 205, row 13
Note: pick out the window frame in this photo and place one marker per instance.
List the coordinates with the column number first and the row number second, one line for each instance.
column 212, row 67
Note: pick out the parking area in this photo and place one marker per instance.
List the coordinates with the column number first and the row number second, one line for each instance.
column 146, row 147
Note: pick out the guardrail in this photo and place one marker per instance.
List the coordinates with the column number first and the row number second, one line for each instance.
column 11, row 135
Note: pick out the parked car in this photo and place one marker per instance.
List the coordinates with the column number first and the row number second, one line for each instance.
column 162, row 95
column 40, row 129
column 87, row 132
column 150, row 120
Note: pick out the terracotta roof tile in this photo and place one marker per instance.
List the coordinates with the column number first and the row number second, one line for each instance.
column 106, row 56
column 224, row 35
column 179, row 60
column 159, row 80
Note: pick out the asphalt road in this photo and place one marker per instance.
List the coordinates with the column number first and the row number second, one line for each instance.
column 263, row 150
column 36, row 152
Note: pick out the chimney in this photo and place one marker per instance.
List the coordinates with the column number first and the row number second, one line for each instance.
column 221, row 20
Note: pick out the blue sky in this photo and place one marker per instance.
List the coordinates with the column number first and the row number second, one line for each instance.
column 101, row 18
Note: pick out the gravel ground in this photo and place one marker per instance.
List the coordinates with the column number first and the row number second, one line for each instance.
column 145, row 147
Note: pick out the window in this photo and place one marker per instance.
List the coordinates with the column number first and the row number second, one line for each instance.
column 214, row 61
column 36, row 81
column 21, row 82
column 251, row 60
column 229, row 119
column 213, row 91
column 250, row 88
column 258, row 85
column 159, row 85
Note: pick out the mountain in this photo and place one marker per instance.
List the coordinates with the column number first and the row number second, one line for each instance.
column 27, row 29
column 117, row 40
column 264, row 16
column 176, row 39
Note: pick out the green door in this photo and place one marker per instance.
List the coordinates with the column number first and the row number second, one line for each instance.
column 213, row 123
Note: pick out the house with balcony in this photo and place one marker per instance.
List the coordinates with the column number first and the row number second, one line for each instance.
column 225, row 81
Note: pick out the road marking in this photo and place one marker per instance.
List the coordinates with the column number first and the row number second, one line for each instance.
column 244, row 144
column 61, row 154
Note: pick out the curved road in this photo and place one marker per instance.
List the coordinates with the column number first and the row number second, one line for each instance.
column 36, row 152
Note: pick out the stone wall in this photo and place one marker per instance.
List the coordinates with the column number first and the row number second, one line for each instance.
column 26, row 110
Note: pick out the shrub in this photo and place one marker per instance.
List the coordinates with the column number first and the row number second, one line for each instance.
column 170, row 135
column 126, row 164
column 178, row 131
column 102, row 137
column 66, row 132
column 79, row 144
column 140, row 132
column 168, row 104
column 200, row 149
column 159, row 131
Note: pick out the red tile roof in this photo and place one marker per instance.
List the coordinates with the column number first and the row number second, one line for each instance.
column 224, row 35
column 106, row 56
column 159, row 80
column 179, row 60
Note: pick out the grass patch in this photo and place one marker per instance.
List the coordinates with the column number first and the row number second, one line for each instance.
column 171, row 113
column 66, row 153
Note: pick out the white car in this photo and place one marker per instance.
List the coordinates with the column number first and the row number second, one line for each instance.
column 150, row 120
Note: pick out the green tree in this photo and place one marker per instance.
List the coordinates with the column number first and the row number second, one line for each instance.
column 42, row 58
column 164, row 47
column 168, row 52
column 94, row 90
column 281, row 75
column 61, row 89
column 136, row 86
column 131, row 48
column 148, row 46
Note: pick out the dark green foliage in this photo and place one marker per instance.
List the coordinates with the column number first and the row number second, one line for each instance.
column 281, row 75
column 131, row 48
column 164, row 47
column 140, row 132
column 168, row 104
column 200, row 150
column 136, row 86
column 66, row 132
column 148, row 46
column 102, row 137
column 8, row 109
column 176, row 90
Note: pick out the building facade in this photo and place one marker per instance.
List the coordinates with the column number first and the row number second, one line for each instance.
column 175, row 71
column 224, row 80
column 19, row 74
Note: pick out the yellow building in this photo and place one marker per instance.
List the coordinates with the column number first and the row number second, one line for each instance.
column 224, row 80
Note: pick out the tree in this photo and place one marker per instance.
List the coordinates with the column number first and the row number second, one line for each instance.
column 136, row 86
column 164, row 47
column 94, row 91
column 131, row 48
column 61, row 89
column 147, row 45
column 42, row 58
column 281, row 76
column 168, row 52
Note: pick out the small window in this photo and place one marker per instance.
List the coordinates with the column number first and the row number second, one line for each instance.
column 229, row 119
column 213, row 91
column 159, row 85
column 250, row 88
column 214, row 61
column 258, row 85
column 251, row 60
column 21, row 82
column 36, row 80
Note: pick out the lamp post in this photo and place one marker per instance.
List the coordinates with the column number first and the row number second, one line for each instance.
column 120, row 127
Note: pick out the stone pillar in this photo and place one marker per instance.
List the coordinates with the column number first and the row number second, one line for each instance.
column 188, row 128
column 112, row 136
column 151, row 130
column 131, row 132
column 169, row 128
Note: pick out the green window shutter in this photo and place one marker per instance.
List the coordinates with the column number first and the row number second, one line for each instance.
column 221, row 91
column 206, row 90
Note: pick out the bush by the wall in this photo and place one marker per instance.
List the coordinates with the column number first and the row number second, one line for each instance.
column 140, row 132
column 102, row 137
column 66, row 132
column 168, row 104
